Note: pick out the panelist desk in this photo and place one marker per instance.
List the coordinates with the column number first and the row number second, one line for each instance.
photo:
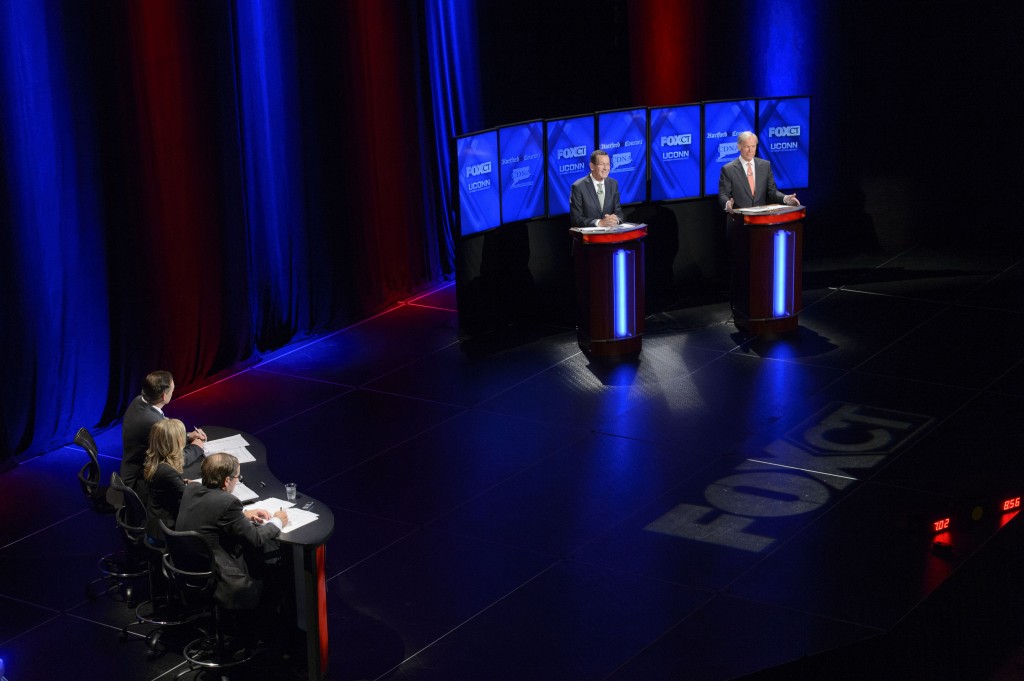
column 305, row 545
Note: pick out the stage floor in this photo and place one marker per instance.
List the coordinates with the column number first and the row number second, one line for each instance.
column 509, row 510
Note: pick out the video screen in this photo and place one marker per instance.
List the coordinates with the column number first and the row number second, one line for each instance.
column 570, row 142
column 675, row 152
column 623, row 134
column 783, row 138
column 477, row 164
column 723, row 121
column 522, row 171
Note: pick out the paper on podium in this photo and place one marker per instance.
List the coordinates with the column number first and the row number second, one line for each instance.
column 234, row 445
column 771, row 209
column 621, row 227
column 296, row 516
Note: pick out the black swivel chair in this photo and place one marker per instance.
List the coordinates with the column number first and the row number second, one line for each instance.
column 120, row 567
column 101, row 498
column 164, row 607
column 189, row 564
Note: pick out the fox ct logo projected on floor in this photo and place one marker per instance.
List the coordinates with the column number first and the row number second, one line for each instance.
column 798, row 474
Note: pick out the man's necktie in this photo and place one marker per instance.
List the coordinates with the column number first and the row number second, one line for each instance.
column 600, row 194
column 750, row 177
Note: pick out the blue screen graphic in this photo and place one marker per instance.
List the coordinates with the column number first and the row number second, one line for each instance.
column 675, row 152
column 522, row 171
column 570, row 141
column 784, row 135
column 477, row 163
column 623, row 134
column 723, row 121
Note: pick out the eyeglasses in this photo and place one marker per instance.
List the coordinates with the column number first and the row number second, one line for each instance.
column 603, row 165
column 237, row 477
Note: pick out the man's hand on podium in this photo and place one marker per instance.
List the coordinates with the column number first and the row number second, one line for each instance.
column 791, row 200
column 608, row 221
column 728, row 205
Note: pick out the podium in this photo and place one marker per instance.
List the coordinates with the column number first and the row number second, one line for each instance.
column 609, row 263
column 767, row 252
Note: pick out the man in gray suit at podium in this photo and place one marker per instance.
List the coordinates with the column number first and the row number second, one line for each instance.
column 748, row 181
column 594, row 199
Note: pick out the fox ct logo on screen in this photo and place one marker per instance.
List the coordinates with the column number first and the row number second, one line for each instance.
column 572, row 152
column 475, row 171
column 478, row 169
column 784, row 131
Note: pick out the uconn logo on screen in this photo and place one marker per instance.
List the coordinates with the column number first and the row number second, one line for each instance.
column 798, row 474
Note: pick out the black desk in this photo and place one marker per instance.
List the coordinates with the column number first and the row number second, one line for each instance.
column 305, row 544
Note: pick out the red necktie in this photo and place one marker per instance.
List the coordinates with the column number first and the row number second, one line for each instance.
column 750, row 177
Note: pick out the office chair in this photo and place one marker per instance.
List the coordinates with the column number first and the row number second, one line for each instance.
column 189, row 564
column 119, row 567
column 164, row 608
column 100, row 497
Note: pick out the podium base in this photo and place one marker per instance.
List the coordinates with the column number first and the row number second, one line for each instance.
column 758, row 327
column 621, row 347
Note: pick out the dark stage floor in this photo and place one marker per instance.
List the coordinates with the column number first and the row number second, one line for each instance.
column 507, row 510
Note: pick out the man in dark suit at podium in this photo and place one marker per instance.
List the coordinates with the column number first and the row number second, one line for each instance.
column 748, row 181
column 594, row 199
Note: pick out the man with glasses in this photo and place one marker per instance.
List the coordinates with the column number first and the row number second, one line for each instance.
column 240, row 540
column 594, row 199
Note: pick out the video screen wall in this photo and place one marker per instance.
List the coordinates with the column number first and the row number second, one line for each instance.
column 623, row 134
column 667, row 153
column 723, row 121
column 479, row 198
column 522, row 171
column 783, row 138
column 675, row 152
column 570, row 142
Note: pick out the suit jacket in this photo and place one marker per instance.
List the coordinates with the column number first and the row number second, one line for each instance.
column 165, row 490
column 583, row 205
column 732, row 183
column 217, row 515
column 138, row 419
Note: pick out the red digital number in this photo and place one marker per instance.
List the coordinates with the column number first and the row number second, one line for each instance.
column 1010, row 504
column 941, row 524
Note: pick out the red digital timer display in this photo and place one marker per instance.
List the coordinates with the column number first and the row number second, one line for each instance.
column 941, row 525
column 1011, row 504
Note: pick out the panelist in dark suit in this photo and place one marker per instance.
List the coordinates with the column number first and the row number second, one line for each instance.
column 594, row 199
column 238, row 539
column 165, row 462
column 143, row 411
column 734, row 182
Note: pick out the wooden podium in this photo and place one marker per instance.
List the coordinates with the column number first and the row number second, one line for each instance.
column 610, row 306
column 767, row 252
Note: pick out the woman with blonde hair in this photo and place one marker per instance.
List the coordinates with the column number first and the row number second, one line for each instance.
column 165, row 462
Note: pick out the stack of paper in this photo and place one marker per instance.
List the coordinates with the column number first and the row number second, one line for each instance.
column 296, row 516
column 234, row 444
